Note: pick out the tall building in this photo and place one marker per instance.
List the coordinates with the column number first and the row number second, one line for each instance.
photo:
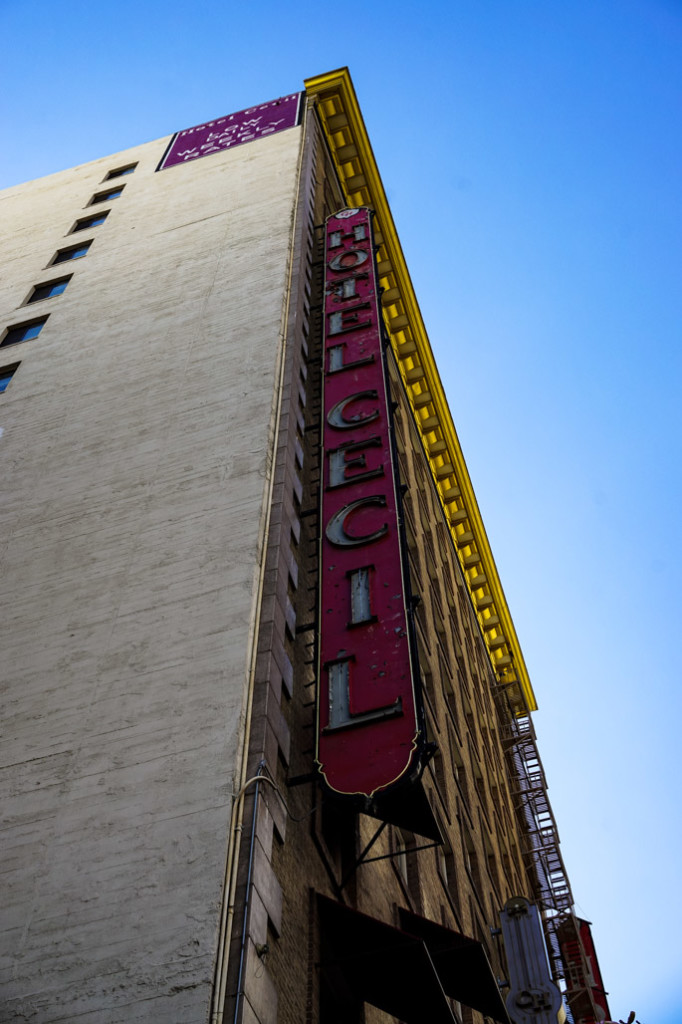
column 267, row 751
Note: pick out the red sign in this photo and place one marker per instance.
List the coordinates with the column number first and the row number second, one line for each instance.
column 586, row 992
column 233, row 130
column 367, row 722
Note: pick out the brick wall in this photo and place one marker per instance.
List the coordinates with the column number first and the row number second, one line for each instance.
column 312, row 842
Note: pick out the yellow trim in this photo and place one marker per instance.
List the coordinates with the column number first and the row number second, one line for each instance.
column 352, row 154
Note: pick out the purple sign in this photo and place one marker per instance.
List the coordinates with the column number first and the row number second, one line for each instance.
column 233, row 130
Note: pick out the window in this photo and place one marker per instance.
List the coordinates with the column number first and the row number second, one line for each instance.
column 49, row 289
column 23, row 332
column 471, row 860
column 400, row 854
column 6, row 374
column 444, row 860
column 448, row 873
column 74, row 252
column 104, row 197
column 120, row 171
column 90, row 222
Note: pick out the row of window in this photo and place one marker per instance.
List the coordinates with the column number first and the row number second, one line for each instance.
column 103, row 197
column 49, row 289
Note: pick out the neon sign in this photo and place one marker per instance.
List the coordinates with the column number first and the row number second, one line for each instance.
column 368, row 733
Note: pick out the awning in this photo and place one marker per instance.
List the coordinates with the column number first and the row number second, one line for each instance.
column 462, row 964
column 405, row 972
column 407, row 807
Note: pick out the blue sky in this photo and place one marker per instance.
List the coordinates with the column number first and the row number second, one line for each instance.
column 531, row 151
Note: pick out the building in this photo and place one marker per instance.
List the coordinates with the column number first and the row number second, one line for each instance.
column 203, row 820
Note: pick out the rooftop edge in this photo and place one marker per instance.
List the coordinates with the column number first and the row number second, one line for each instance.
column 351, row 151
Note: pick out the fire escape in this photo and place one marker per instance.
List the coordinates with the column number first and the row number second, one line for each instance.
column 572, row 958
column 540, row 850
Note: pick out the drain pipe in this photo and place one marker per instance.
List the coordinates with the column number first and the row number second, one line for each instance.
column 227, row 910
column 247, row 896
column 217, row 1015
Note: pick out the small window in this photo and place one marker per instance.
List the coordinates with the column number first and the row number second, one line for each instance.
column 105, row 197
column 400, row 855
column 90, row 222
column 49, row 289
column 23, row 332
column 120, row 171
column 74, row 252
column 6, row 374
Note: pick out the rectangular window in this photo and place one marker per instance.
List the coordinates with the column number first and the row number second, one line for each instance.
column 74, row 252
column 23, row 332
column 90, row 222
column 104, row 197
column 120, row 171
column 49, row 289
column 6, row 374
column 400, row 854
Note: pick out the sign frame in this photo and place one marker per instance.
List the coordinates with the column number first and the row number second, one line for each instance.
column 233, row 130
column 370, row 726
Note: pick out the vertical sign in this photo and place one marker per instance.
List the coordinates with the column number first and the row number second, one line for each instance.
column 585, row 987
column 367, row 729
column 533, row 998
column 233, row 130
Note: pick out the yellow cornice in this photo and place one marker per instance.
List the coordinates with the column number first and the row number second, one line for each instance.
column 352, row 154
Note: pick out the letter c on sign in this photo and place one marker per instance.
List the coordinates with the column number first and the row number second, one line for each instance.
column 336, row 417
column 336, row 527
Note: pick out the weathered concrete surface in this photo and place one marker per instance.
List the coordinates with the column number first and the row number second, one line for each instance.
column 136, row 448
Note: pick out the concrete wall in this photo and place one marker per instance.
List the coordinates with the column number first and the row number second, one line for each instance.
column 135, row 459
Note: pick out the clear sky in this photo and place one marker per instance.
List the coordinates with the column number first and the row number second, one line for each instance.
column 531, row 151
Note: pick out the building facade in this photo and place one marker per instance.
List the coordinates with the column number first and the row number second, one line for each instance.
column 191, row 832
